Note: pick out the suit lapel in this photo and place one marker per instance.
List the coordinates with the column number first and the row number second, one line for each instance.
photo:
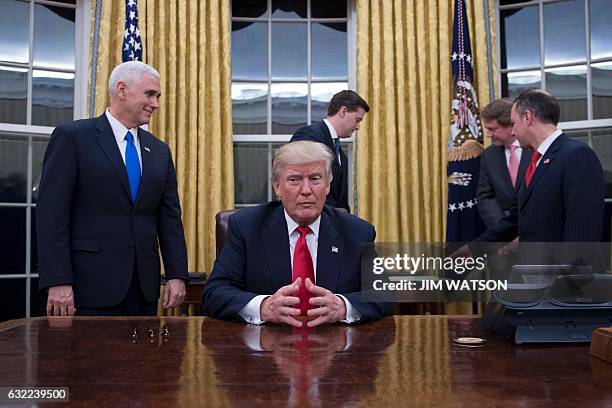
column 329, row 254
column 542, row 167
column 276, row 246
column 326, row 135
column 106, row 139
column 502, row 167
column 525, row 159
column 329, row 142
column 337, row 169
column 147, row 161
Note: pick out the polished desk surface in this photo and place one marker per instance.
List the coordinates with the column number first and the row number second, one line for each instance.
column 397, row 361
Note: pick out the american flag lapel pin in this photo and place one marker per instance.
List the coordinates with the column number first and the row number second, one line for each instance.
column 334, row 249
column 147, row 149
column 546, row 161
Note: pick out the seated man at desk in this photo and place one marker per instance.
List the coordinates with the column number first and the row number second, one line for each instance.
column 293, row 257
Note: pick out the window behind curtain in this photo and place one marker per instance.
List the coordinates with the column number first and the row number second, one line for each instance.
column 288, row 59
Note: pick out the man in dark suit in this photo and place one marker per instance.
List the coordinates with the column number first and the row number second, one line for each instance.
column 562, row 198
column 108, row 200
column 345, row 111
column 502, row 165
column 297, row 252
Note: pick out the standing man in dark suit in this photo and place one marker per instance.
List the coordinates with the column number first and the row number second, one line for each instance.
column 562, row 198
column 502, row 165
column 294, row 257
column 108, row 200
column 345, row 111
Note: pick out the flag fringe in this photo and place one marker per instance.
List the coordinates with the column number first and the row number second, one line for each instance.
column 468, row 150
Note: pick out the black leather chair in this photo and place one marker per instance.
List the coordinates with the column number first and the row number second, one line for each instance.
column 221, row 220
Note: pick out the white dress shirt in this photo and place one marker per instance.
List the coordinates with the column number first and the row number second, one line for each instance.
column 547, row 142
column 251, row 311
column 120, row 131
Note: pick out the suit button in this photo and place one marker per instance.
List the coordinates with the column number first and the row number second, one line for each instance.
column 132, row 248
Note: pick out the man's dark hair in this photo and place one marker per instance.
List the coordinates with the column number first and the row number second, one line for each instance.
column 498, row 110
column 540, row 103
column 350, row 99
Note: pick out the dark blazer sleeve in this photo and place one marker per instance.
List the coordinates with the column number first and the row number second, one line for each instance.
column 53, row 208
column 505, row 231
column 225, row 291
column 170, row 227
column 488, row 207
column 583, row 201
column 369, row 310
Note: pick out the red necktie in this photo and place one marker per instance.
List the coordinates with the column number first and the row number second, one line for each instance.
column 532, row 167
column 513, row 164
column 302, row 268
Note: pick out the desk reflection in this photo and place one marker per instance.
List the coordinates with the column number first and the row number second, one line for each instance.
column 300, row 366
column 397, row 361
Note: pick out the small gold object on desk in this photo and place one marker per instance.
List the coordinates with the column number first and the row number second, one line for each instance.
column 470, row 341
column 601, row 344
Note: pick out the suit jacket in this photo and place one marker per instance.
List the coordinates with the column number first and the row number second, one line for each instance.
column 496, row 193
column 338, row 192
column 255, row 260
column 564, row 201
column 90, row 232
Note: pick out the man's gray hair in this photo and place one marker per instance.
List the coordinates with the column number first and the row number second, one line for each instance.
column 302, row 152
column 129, row 72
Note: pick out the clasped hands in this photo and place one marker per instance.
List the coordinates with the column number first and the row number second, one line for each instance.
column 281, row 306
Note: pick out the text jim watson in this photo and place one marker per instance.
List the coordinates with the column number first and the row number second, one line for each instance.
column 443, row 284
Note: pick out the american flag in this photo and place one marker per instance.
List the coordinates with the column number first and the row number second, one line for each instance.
column 132, row 43
column 465, row 141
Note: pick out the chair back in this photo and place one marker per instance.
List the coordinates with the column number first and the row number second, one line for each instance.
column 221, row 220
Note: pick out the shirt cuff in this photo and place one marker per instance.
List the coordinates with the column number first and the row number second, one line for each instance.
column 352, row 314
column 251, row 311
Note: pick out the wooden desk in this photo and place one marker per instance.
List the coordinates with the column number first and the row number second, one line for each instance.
column 398, row 361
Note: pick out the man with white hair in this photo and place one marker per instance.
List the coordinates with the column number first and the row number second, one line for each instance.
column 107, row 203
column 293, row 257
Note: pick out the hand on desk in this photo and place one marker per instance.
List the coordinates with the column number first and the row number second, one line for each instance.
column 279, row 308
column 174, row 293
column 331, row 308
column 60, row 301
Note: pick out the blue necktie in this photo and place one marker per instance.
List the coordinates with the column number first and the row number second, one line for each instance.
column 132, row 165
column 337, row 146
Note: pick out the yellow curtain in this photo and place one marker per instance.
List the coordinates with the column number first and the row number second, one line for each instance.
column 404, row 72
column 188, row 42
